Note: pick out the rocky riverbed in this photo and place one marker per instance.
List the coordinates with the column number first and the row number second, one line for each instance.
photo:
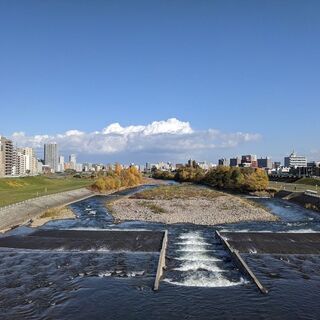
column 188, row 207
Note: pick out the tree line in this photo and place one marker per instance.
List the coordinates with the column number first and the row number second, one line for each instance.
column 220, row 177
column 114, row 179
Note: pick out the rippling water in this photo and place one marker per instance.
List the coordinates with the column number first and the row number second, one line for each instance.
column 200, row 282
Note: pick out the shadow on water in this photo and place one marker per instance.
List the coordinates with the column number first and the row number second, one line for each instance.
column 200, row 282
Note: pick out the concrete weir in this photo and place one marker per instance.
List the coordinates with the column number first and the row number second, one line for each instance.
column 274, row 243
column 94, row 240
column 280, row 243
column 240, row 263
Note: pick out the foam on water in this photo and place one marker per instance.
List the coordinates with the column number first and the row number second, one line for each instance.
column 129, row 274
column 196, row 257
column 194, row 249
column 212, row 281
column 301, row 231
column 198, row 267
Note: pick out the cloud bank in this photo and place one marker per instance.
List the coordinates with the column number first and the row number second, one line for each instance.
column 171, row 136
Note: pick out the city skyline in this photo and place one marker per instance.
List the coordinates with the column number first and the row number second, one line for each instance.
column 114, row 140
column 218, row 68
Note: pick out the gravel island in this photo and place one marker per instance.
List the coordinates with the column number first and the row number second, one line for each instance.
column 187, row 204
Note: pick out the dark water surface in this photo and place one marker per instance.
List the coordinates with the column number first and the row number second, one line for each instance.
column 200, row 282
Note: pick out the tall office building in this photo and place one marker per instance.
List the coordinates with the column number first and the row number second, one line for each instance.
column 51, row 156
column 6, row 157
column 295, row 161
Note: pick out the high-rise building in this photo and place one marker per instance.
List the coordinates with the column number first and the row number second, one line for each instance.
column 20, row 163
column 6, row 157
column 73, row 161
column 265, row 163
column 295, row 161
column 30, row 161
column 51, row 156
column 61, row 164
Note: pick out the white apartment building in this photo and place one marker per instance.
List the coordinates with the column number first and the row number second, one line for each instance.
column 295, row 161
column 26, row 162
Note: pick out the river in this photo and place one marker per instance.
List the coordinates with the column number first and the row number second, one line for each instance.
column 200, row 282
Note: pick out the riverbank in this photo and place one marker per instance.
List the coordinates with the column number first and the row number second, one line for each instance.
column 187, row 204
column 308, row 201
column 23, row 212
column 14, row 190
column 59, row 213
column 38, row 211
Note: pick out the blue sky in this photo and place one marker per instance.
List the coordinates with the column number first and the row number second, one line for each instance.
column 230, row 66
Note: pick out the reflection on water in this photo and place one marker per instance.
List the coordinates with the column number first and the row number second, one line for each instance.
column 200, row 282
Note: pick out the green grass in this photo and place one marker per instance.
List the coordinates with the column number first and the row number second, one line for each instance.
column 309, row 181
column 177, row 192
column 14, row 190
column 153, row 207
column 296, row 187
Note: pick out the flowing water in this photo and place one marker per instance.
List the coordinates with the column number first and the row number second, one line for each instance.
column 200, row 281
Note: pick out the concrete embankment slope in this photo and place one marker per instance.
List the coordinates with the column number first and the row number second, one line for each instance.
column 22, row 212
column 301, row 198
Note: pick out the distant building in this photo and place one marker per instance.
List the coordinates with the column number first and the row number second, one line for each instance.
column 20, row 160
column 249, row 160
column 313, row 169
column 203, row 165
column 179, row 166
column 224, row 162
column 295, row 161
column 276, row 165
column 265, row 163
column 61, row 164
column 73, row 161
column 51, row 156
column 6, row 157
column 148, row 167
column 27, row 164
column 235, row 162
column 79, row 167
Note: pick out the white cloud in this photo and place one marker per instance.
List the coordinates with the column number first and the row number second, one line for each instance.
column 171, row 136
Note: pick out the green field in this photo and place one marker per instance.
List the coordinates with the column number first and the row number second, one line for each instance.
column 296, row 186
column 14, row 190
column 309, row 181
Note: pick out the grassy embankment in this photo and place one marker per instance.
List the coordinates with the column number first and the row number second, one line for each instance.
column 14, row 190
column 299, row 186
